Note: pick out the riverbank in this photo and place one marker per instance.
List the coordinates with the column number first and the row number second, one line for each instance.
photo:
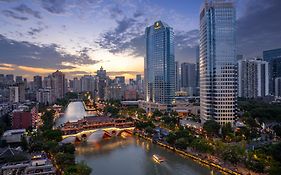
column 189, row 155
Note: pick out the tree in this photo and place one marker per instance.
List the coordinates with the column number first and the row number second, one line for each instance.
column 211, row 127
column 67, row 148
column 171, row 138
column 157, row 113
column 48, row 120
column 181, row 143
column 55, row 135
column 226, row 130
column 201, row 145
column 65, row 159
column 232, row 154
column 112, row 110
column 78, row 169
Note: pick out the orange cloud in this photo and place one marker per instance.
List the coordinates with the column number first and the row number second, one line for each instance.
column 36, row 69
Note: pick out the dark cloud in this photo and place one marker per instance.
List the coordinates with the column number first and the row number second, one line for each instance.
column 44, row 56
column 26, row 10
column 54, row 6
column 116, row 40
column 12, row 14
column 129, row 36
column 34, row 31
column 259, row 28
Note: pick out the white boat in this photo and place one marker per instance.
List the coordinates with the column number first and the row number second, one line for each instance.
column 157, row 158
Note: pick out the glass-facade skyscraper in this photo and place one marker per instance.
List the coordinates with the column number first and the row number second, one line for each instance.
column 273, row 57
column 218, row 64
column 159, row 65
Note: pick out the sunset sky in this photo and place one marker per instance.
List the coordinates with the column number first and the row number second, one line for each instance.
column 78, row 37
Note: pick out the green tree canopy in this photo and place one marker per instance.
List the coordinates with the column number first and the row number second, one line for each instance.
column 211, row 127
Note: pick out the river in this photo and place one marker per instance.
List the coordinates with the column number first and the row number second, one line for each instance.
column 132, row 156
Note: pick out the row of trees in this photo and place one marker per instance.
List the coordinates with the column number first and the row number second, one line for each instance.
column 261, row 110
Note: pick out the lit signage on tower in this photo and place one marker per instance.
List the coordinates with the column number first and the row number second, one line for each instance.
column 157, row 25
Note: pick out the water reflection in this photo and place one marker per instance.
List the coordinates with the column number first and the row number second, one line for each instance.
column 134, row 156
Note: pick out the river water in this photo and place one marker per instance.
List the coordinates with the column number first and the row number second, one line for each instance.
column 132, row 156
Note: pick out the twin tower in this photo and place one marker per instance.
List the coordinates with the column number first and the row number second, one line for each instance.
column 217, row 65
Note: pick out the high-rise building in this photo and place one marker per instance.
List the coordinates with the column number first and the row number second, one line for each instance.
column 47, row 82
column 9, row 79
column 218, row 72
column 37, row 82
column 19, row 79
column 273, row 57
column 177, row 76
column 17, row 93
column 138, row 78
column 253, row 78
column 44, row 96
column 188, row 78
column 76, row 85
column 14, row 94
column 159, row 65
column 278, row 87
column 119, row 80
column 101, row 83
column 197, row 69
column 2, row 78
column 87, row 83
column 58, row 84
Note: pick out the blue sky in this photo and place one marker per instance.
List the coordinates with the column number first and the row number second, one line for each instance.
column 38, row 37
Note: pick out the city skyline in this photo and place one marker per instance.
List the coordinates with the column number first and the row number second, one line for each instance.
column 79, row 38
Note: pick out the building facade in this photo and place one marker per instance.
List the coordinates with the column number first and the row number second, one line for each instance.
column 101, row 83
column 273, row 57
column 253, row 78
column 58, row 84
column 159, row 65
column 188, row 78
column 218, row 72
column 278, row 87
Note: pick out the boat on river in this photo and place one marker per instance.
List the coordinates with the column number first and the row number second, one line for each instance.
column 157, row 158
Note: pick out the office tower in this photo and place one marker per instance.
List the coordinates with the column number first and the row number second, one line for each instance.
column 44, row 96
column 22, row 93
column 132, row 81
column 76, row 85
column 37, row 82
column 159, row 65
column 19, row 79
column 197, row 69
column 273, row 57
column 119, row 80
column 85, row 83
column 14, row 94
column 9, row 79
column 188, row 78
column 47, row 82
column 278, row 87
column 17, row 93
column 177, row 76
column 218, row 74
column 253, row 78
column 239, row 57
column 101, row 83
column 58, row 84
column 114, row 92
column 138, row 78
column 2, row 78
